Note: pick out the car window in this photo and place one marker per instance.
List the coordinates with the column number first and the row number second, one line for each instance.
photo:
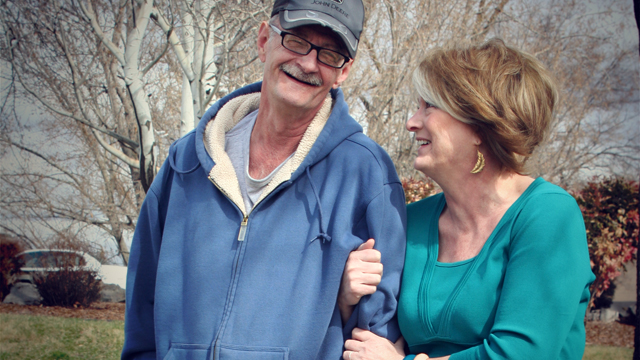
column 52, row 259
column 64, row 258
column 32, row 259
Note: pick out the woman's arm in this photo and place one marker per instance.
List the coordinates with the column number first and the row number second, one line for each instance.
column 365, row 345
column 361, row 276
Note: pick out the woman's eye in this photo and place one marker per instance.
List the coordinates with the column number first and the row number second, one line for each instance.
column 424, row 104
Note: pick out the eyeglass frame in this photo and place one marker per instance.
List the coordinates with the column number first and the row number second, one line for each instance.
column 312, row 46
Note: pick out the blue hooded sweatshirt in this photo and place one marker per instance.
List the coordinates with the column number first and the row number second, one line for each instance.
column 208, row 280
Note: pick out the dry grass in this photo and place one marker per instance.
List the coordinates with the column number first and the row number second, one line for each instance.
column 25, row 336
column 599, row 352
column 50, row 338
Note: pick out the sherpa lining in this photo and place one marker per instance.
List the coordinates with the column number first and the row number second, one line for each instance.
column 223, row 173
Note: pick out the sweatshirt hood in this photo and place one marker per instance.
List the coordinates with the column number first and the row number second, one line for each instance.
column 338, row 127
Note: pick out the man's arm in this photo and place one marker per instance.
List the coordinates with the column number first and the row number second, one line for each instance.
column 386, row 223
column 139, row 331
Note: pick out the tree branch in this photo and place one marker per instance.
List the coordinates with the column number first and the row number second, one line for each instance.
column 116, row 152
column 89, row 13
column 183, row 59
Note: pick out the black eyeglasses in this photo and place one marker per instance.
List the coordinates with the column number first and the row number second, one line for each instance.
column 302, row 47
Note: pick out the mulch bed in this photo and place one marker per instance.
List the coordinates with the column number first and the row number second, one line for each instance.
column 611, row 334
column 97, row 311
column 598, row 333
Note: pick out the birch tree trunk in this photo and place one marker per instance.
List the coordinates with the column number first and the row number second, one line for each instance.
column 135, row 87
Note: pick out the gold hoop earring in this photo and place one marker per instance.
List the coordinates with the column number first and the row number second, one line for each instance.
column 479, row 164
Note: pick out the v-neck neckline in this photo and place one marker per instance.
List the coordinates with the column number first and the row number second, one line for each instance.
column 442, row 329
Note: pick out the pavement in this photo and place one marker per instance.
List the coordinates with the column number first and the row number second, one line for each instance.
column 625, row 295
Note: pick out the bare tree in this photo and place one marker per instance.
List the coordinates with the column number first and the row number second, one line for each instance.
column 594, row 131
column 118, row 81
column 397, row 34
column 108, row 75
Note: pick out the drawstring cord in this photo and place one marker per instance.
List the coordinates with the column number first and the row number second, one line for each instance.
column 322, row 236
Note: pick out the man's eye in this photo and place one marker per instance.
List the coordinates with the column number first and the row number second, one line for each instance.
column 330, row 56
column 296, row 42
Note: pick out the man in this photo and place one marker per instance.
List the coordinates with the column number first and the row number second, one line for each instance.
column 242, row 240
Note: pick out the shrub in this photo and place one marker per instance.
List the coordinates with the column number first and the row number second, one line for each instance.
column 68, row 285
column 9, row 264
column 415, row 189
column 610, row 210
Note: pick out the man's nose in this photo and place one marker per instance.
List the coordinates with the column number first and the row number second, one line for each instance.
column 309, row 62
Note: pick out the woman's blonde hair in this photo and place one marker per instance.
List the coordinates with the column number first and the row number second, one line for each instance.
column 507, row 95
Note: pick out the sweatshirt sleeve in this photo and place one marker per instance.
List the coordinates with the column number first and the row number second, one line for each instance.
column 139, row 329
column 386, row 222
column 545, row 286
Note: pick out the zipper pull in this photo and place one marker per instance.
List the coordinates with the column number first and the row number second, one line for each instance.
column 243, row 228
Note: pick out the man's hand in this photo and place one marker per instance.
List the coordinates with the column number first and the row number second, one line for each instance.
column 361, row 276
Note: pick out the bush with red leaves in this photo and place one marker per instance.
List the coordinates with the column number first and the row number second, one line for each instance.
column 610, row 210
column 415, row 189
column 9, row 264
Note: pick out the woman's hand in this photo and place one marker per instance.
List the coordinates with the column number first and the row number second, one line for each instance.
column 369, row 346
column 361, row 276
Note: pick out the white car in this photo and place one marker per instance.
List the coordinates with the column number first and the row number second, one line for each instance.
column 44, row 260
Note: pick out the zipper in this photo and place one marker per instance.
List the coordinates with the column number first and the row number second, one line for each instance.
column 227, row 309
column 243, row 228
column 241, row 237
column 245, row 218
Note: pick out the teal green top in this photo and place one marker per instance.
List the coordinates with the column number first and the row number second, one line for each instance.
column 524, row 296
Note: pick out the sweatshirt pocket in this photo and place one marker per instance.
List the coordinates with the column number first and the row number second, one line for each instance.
column 237, row 352
column 188, row 352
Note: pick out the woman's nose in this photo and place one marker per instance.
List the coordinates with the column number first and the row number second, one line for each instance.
column 412, row 124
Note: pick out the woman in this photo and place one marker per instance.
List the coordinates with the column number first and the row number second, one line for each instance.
column 497, row 265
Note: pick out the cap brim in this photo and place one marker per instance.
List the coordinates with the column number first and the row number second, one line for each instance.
column 290, row 19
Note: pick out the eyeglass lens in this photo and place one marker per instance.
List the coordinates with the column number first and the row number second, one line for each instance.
column 303, row 47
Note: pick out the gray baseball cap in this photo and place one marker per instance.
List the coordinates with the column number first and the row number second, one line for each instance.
column 345, row 17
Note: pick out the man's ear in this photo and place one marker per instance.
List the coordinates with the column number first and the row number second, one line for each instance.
column 263, row 37
column 344, row 73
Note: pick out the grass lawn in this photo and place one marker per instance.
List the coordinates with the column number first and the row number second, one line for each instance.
column 599, row 352
column 26, row 337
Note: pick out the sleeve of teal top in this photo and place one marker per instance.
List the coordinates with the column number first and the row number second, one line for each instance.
column 547, row 271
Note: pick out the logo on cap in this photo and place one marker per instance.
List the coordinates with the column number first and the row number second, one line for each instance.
column 337, row 1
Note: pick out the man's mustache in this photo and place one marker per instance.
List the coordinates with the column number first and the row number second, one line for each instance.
column 297, row 73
